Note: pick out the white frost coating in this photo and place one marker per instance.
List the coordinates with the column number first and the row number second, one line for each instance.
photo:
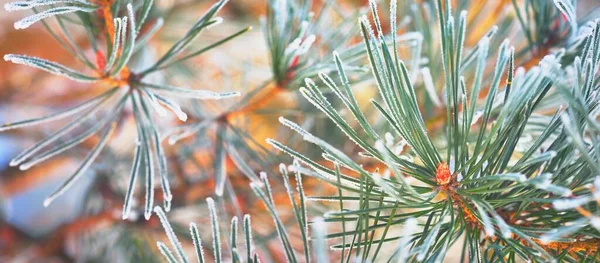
column 567, row 9
column 430, row 87
column 128, row 40
column 164, row 250
column 389, row 139
column 167, row 204
column 215, row 229
column 197, row 241
column 24, row 5
column 129, row 201
column 175, row 108
column 320, row 244
column 216, row 21
column 30, row 20
column 565, row 204
column 234, row 231
column 564, row 231
column 518, row 177
column 157, row 107
column 399, row 148
column 170, row 234
column 410, row 226
column 545, row 239
column 221, row 173
column 149, row 184
column 265, row 181
column 487, row 223
column 565, row 192
column 196, row 94
column 550, row 66
column 393, row 16
column 428, row 242
column 504, row 228
column 131, row 14
column 163, row 166
column 373, row 5
column 247, row 226
column 293, row 126
column 120, row 25
column 387, row 174
column 293, row 46
column 48, row 66
column 306, row 44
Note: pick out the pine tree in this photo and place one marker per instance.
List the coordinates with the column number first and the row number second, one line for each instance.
column 478, row 139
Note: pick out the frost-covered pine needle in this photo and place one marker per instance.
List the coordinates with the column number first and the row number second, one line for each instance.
column 166, row 252
column 49, row 66
column 55, row 11
column 24, row 5
column 247, row 226
column 216, row 232
column 137, row 160
column 170, row 234
column 197, row 242
column 58, row 115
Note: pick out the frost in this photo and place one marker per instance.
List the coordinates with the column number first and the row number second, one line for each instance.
column 175, row 108
column 504, row 228
column 48, row 66
column 319, row 229
column 518, row 177
column 30, row 20
column 215, row 229
column 595, row 222
column 24, row 5
column 197, row 241
column 306, row 44
column 389, row 139
column 170, row 234
column 565, row 204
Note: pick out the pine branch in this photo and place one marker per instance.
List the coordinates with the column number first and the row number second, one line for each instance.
column 481, row 182
column 122, row 36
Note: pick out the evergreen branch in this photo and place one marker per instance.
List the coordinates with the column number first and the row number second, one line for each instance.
column 122, row 41
column 494, row 147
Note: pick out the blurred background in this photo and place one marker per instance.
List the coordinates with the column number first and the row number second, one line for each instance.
column 85, row 225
